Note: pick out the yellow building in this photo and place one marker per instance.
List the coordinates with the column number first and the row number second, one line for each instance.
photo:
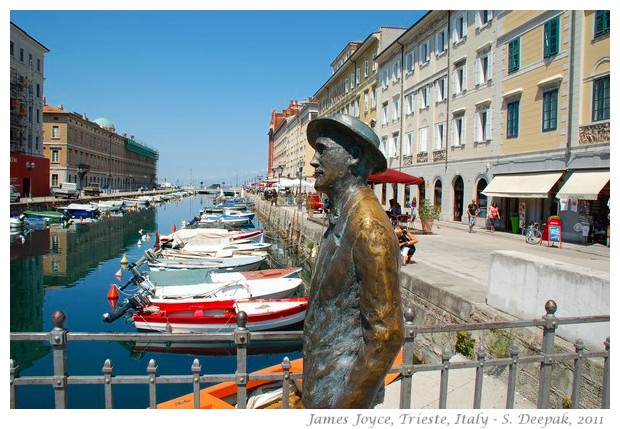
column 83, row 151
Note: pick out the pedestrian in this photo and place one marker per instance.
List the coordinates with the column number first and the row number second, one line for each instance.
column 407, row 242
column 414, row 209
column 472, row 212
column 354, row 326
column 493, row 216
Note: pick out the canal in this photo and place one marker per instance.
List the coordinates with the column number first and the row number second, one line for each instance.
column 71, row 270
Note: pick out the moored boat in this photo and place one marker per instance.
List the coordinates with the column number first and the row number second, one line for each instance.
column 205, row 275
column 51, row 216
column 221, row 316
column 84, row 211
column 262, row 393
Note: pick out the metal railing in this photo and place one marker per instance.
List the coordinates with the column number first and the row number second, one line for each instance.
column 546, row 357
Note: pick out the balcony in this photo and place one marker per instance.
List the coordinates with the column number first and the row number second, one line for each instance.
column 595, row 133
column 407, row 160
column 422, row 157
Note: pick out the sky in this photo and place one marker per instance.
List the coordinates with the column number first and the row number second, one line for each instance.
column 197, row 85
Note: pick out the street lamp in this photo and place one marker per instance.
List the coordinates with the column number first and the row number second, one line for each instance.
column 300, row 168
column 30, row 166
column 279, row 169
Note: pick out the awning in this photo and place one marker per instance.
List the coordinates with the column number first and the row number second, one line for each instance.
column 584, row 185
column 394, row 176
column 535, row 185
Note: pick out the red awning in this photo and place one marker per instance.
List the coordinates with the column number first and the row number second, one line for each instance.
column 394, row 176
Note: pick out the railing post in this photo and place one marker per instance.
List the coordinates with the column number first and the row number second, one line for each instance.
column 443, row 393
column 286, row 376
column 152, row 372
column 13, row 388
column 242, row 338
column 544, row 380
column 407, row 365
column 577, row 374
column 512, row 378
column 108, row 370
column 606, row 364
column 58, row 341
column 196, row 368
column 481, row 355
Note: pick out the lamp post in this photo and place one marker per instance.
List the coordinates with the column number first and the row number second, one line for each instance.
column 279, row 169
column 300, row 168
column 30, row 166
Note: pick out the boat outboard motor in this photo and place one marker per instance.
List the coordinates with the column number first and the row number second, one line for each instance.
column 135, row 302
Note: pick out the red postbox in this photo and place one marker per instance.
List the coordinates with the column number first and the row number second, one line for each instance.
column 553, row 231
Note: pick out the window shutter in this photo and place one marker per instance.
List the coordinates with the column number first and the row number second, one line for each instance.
column 489, row 71
column 464, row 23
column 478, row 71
column 478, row 18
column 454, row 134
column 455, row 86
column 464, row 84
column 477, row 126
column 463, row 128
column 487, row 127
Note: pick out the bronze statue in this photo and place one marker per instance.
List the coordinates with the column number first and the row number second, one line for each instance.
column 354, row 324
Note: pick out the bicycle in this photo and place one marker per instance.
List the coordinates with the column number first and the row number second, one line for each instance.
column 533, row 233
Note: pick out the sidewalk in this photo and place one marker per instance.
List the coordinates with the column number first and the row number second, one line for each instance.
column 452, row 259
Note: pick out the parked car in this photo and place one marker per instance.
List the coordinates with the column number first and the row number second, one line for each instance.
column 15, row 196
column 92, row 189
column 66, row 190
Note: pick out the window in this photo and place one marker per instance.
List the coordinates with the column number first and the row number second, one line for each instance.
column 396, row 70
column 441, row 43
column 54, row 183
column 356, row 108
column 55, row 157
column 346, row 85
column 395, row 147
column 483, row 68
column 440, row 136
column 600, row 99
column 441, row 86
column 422, row 148
column 550, row 110
column 408, row 147
column 384, row 113
column 366, row 99
column 425, row 52
column 352, row 80
column 409, row 62
column 55, row 132
column 552, row 37
column 373, row 98
column 384, row 145
column 38, row 116
column 601, row 23
column 38, row 64
column 458, row 131
column 460, row 27
column 384, row 78
column 21, row 54
column 483, row 17
column 425, row 97
column 366, row 68
column 38, row 91
column 512, row 119
column 12, row 49
column 396, row 108
column 514, row 55
column 482, row 125
column 409, row 103
column 358, row 76
column 460, row 79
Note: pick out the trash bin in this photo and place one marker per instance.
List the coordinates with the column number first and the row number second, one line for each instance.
column 515, row 224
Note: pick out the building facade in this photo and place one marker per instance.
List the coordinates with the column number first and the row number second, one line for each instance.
column 85, row 152
column 29, row 169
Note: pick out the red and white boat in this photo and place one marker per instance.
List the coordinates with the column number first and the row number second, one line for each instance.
column 221, row 316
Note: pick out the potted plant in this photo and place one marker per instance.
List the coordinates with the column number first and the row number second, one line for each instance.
column 428, row 213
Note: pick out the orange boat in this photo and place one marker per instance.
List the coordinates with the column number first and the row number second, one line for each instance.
column 224, row 395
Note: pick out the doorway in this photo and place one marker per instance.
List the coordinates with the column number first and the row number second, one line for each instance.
column 458, row 198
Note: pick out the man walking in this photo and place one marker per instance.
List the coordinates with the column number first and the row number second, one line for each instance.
column 472, row 212
column 354, row 323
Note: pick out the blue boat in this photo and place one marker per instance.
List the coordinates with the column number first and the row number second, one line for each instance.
column 84, row 211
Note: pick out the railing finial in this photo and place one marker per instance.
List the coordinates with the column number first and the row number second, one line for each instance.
column 551, row 307
column 58, row 319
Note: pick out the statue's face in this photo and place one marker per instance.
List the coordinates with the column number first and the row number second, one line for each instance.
column 330, row 162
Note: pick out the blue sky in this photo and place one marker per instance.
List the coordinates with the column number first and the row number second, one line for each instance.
column 199, row 86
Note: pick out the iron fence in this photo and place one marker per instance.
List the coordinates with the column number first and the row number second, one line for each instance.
column 546, row 357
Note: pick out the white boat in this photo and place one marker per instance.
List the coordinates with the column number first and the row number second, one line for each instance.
column 199, row 242
column 230, row 263
column 205, row 275
column 218, row 291
column 110, row 205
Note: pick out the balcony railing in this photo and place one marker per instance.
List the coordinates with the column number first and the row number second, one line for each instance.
column 422, row 157
column 547, row 357
column 439, row 155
